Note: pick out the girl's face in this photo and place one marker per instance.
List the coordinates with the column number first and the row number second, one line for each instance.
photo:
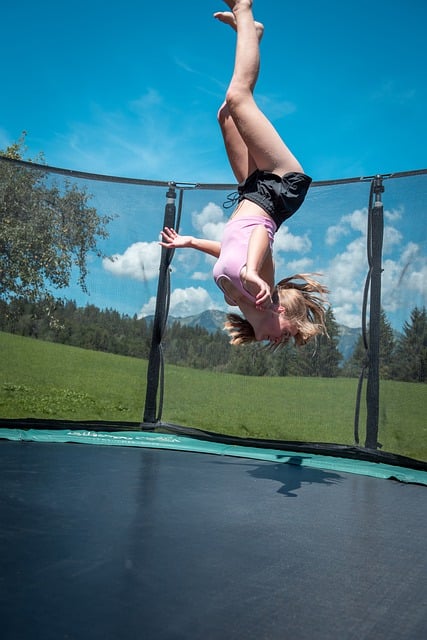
column 275, row 326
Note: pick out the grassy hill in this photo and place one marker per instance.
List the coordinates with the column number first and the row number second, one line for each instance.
column 45, row 380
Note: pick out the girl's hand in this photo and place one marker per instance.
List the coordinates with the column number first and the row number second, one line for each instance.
column 256, row 286
column 172, row 239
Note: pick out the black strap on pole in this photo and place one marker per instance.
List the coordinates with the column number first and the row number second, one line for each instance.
column 155, row 360
column 365, row 363
column 375, row 245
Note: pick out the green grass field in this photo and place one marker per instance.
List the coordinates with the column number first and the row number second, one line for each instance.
column 44, row 380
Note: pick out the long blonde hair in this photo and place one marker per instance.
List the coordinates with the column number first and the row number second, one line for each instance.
column 305, row 303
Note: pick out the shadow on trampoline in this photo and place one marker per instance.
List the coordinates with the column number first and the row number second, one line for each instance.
column 294, row 475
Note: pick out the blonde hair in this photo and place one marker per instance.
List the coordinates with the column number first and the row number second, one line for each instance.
column 305, row 303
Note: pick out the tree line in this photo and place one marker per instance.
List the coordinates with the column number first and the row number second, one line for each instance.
column 402, row 357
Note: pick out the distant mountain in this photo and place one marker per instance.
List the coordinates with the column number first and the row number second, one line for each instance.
column 348, row 336
column 212, row 320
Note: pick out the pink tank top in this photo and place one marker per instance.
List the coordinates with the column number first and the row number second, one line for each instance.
column 234, row 249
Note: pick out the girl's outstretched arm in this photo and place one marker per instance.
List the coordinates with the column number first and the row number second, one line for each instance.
column 173, row 240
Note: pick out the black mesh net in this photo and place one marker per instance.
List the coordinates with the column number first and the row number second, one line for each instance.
column 98, row 324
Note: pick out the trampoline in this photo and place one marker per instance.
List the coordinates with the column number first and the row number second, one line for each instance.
column 169, row 529
column 108, row 542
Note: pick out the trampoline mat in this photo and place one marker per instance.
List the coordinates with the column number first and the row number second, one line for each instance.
column 124, row 543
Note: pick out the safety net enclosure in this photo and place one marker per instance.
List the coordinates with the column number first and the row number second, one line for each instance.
column 100, row 324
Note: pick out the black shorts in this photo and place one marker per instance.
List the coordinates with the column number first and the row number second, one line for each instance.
column 279, row 196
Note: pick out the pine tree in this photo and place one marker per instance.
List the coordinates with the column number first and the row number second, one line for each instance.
column 387, row 347
column 410, row 363
column 319, row 357
column 360, row 356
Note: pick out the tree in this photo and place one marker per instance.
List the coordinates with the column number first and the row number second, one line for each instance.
column 411, row 352
column 387, row 347
column 353, row 366
column 320, row 357
column 359, row 357
column 46, row 229
column 249, row 360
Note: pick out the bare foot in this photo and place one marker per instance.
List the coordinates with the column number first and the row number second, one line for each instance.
column 232, row 3
column 228, row 18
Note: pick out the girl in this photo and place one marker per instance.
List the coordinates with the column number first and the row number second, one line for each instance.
column 272, row 186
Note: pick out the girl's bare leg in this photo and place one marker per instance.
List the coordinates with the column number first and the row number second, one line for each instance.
column 265, row 149
column 241, row 161
column 239, row 157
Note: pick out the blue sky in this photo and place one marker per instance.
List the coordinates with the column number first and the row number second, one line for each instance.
column 132, row 89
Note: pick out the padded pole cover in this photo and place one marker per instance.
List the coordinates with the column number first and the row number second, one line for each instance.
column 376, row 221
column 160, row 316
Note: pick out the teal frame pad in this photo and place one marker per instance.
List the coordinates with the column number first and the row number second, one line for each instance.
column 184, row 443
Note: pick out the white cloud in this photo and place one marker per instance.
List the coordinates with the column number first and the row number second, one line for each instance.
column 410, row 254
column 346, row 314
column 286, row 241
column 403, row 277
column 405, row 269
column 346, row 267
column 183, row 302
column 214, row 230
column 210, row 222
column 140, row 261
column 393, row 215
column 417, row 281
column 389, row 285
column 192, row 264
column 355, row 221
column 335, row 232
column 345, row 277
column 201, row 275
column 305, row 265
column 392, row 238
column 346, row 272
column 185, row 261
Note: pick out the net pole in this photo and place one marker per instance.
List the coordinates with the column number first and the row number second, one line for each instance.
column 376, row 222
column 155, row 360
